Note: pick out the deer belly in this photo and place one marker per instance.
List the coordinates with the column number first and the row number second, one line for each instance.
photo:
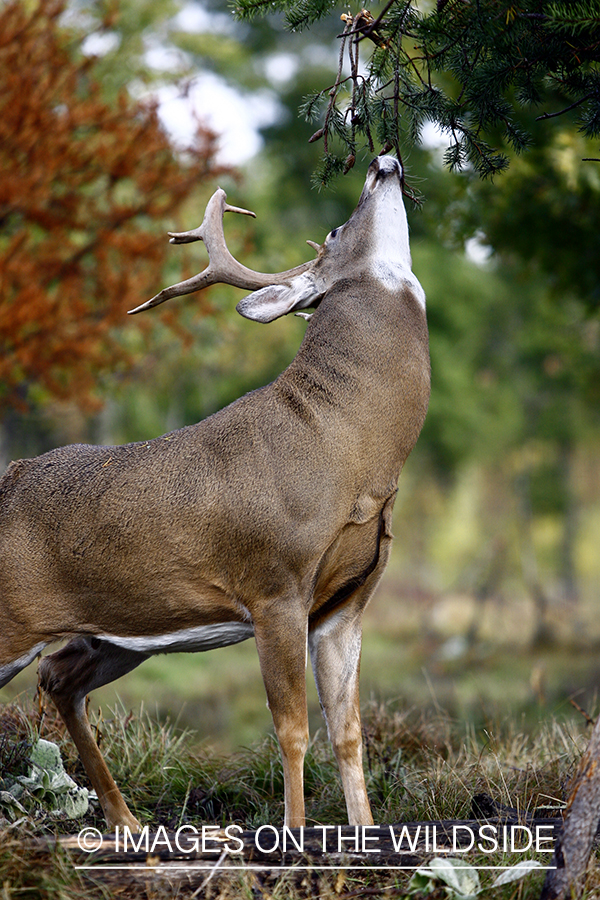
column 188, row 640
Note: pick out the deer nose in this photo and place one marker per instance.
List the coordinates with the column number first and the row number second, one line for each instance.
column 383, row 166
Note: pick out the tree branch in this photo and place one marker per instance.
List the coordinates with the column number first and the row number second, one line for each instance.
column 561, row 112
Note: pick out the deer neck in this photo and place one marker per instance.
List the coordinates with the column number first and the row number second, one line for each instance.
column 365, row 356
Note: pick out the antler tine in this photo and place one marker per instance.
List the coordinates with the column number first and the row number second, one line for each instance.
column 215, row 209
column 223, row 268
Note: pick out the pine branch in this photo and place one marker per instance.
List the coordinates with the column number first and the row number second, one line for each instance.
column 567, row 109
column 467, row 67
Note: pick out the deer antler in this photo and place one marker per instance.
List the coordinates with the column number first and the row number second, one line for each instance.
column 223, row 268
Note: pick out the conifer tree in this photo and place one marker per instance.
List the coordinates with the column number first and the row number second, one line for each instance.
column 466, row 65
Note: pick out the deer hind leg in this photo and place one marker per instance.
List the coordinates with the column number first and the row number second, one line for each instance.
column 68, row 676
column 281, row 644
column 335, row 643
column 335, row 646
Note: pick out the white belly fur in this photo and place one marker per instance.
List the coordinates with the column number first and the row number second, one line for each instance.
column 188, row 640
column 13, row 668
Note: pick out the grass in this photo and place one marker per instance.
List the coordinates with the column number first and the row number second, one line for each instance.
column 419, row 766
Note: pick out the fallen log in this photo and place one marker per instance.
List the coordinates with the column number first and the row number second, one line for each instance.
column 379, row 847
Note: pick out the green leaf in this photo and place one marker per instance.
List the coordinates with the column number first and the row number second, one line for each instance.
column 421, row 883
column 459, row 876
column 49, row 784
column 10, row 804
column 520, row 870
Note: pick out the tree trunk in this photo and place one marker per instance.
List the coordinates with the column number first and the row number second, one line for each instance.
column 573, row 847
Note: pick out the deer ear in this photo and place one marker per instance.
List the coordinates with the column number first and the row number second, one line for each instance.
column 277, row 300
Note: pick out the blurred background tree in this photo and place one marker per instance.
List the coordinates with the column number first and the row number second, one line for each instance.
column 84, row 185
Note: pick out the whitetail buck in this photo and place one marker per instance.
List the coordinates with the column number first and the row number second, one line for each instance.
column 271, row 519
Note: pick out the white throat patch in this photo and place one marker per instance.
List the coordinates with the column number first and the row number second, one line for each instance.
column 391, row 262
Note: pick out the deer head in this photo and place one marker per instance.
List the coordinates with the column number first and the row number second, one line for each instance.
column 377, row 230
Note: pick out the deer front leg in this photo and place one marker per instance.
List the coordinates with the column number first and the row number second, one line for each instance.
column 335, row 646
column 281, row 645
column 68, row 676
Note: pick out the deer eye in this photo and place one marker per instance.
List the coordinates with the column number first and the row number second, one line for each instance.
column 333, row 233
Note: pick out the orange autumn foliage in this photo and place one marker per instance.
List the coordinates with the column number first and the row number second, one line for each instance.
column 85, row 187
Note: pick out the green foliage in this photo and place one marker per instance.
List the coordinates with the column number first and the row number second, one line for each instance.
column 546, row 215
column 543, row 337
column 467, row 67
column 460, row 879
column 119, row 34
column 46, row 787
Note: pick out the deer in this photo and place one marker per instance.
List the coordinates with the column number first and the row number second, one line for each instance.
column 270, row 519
